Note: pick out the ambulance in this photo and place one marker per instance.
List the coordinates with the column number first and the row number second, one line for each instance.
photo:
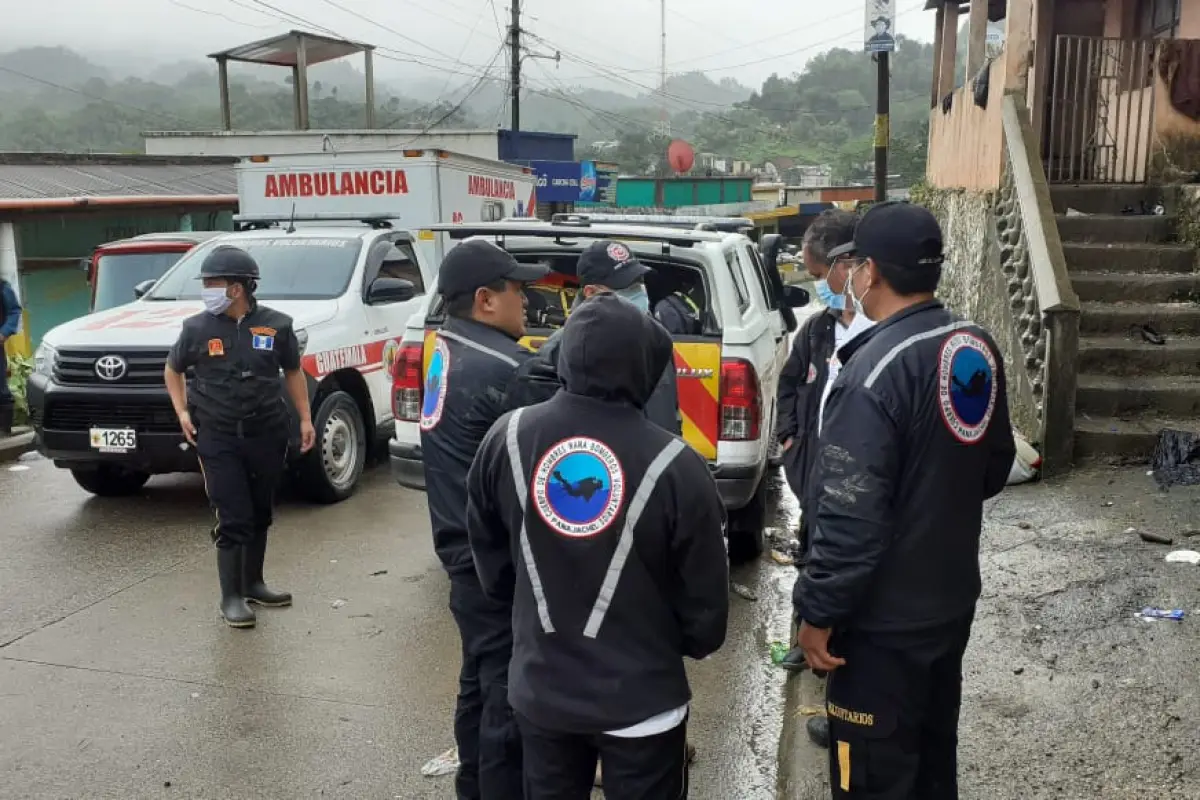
column 345, row 247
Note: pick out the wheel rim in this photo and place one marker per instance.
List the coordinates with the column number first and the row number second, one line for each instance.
column 339, row 448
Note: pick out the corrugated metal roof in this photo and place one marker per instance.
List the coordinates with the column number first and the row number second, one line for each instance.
column 48, row 181
column 281, row 51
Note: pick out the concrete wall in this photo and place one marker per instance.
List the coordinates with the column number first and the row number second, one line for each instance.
column 974, row 286
column 483, row 144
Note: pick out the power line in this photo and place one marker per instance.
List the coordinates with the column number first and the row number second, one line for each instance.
column 217, row 14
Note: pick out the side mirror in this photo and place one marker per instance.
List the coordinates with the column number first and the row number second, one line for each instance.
column 770, row 246
column 390, row 290
column 795, row 296
column 140, row 290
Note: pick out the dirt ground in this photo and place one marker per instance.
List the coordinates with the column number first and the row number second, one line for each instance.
column 1067, row 693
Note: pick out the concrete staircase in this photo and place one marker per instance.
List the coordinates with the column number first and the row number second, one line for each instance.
column 1129, row 270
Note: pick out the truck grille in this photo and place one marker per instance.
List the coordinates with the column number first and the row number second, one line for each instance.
column 142, row 367
column 151, row 416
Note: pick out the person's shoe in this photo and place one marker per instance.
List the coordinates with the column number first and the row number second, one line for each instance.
column 6, row 420
column 254, row 589
column 794, row 661
column 818, row 731
column 233, row 605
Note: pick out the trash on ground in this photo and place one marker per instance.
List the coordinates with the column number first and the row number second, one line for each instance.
column 1183, row 557
column 338, row 603
column 1175, row 614
column 782, row 558
column 1107, row 504
column 1025, row 526
column 1026, row 463
column 1176, row 459
column 778, row 651
column 743, row 592
column 18, row 468
column 1148, row 536
column 378, row 573
column 445, row 764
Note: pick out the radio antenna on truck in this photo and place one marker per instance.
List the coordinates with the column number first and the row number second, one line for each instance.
column 292, row 221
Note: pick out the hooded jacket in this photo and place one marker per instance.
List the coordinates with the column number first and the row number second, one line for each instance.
column 916, row 436
column 538, row 379
column 464, row 392
column 604, row 531
column 799, row 397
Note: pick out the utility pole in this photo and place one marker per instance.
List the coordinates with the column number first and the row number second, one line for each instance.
column 662, row 70
column 514, row 43
column 882, row 125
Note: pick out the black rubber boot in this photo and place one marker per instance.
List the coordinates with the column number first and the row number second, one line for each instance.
column 254, row 589
column 818, row 731
column 6, row 418
column 794, row 661
column 233, row 606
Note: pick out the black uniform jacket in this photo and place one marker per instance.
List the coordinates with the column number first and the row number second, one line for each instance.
column 916, row 436
column 236, row 388
column 605, row 531
column 465, row 385
column 799, row 398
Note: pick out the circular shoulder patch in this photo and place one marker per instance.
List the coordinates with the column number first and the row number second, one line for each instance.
column 618, row 252
column 436, row 378
column 966, row 386
column 578, row 487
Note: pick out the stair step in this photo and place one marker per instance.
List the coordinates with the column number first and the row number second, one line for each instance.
column 1116, row 396
column 1117, row 318
column 1104, row 199
column 1116, row 228
column 1125, row 257
column 1123, row 355
column 1116, row 287
column 1132, row 439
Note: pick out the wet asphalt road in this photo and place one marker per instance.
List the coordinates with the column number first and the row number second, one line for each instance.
column 118, row 679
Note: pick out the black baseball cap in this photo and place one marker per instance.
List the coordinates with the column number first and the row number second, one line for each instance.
column 476, row 263
column 609, row 263
column 897, row 233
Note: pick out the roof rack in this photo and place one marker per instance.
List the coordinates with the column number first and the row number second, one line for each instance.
column 565, row 233
column 693, row 222
column 260, row 221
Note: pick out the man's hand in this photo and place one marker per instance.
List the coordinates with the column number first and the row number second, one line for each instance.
column 189, row 430
column 815, row 644
column 308, row 435
column 788, row 444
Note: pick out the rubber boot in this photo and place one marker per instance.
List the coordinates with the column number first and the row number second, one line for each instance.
column 818, row 731
column 254, row 589
column 233, row 606
column 6, row 419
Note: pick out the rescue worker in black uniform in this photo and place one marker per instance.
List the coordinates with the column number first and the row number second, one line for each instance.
column 916, row 436
column 235, row 416
column 605, row 267
column 475, row 357
column 606, row 534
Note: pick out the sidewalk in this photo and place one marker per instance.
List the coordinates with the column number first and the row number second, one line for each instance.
column 1066, row 693
column 13, row 447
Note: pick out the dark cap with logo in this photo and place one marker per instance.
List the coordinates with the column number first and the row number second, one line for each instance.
column 897, row 233
column 609, row 263
column 477, row 263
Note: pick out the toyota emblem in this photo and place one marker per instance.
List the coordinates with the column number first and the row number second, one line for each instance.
column 111, row 368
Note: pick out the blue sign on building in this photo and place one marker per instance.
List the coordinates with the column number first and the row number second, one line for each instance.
column 569, row 181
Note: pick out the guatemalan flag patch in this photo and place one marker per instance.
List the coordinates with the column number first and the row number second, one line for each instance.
column 262, row 342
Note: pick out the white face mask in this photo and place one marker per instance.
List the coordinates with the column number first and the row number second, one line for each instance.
column 216, row 301
column 859, row 309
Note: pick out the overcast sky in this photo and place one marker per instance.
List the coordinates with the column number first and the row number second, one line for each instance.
column 744, row 39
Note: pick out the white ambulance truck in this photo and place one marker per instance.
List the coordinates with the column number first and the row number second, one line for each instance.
column 343, row 245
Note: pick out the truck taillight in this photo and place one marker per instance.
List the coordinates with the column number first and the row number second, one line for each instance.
column 741, row 401
column 406, row 383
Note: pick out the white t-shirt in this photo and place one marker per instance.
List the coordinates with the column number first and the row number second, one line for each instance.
column 660, row 723
column 841, row 335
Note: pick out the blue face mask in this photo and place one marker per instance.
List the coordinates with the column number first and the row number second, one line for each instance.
column 636, row 295
column 829, row 297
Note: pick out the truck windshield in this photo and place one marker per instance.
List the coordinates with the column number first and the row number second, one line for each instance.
column 118, row 273
column 291, row 268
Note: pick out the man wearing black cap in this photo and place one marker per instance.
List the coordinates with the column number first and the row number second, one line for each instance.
column 605, row 267
column 475, row 356
column 914, row 438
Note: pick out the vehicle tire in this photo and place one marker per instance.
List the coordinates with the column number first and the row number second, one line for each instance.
column 746, row 537
column 109, row 480
column 329, row 473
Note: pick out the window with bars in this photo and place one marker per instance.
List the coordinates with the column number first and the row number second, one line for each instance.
column 1158, row 19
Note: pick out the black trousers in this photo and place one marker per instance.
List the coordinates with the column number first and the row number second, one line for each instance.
column 240, row 476
column 489, row 743
column 6, row 398
column 893, row 713
column 562, row 766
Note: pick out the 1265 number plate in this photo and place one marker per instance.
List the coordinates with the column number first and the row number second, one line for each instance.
column 110, row 440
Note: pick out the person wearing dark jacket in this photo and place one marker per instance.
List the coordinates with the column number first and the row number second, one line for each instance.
column 475, row 356
column 605, row 267
column 606, row 533
column 916, row 436
column 10, row 323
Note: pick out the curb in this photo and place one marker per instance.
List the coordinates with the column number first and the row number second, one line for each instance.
column 15, row 446
column 803, row 767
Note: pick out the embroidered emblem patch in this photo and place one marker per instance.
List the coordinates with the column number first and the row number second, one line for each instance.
column 966, row 386
column 578, row 487
column 618, row 252
column 435, row 386
column 389, row 355
column 216, row 347
column 261, row 341
column 264, row 331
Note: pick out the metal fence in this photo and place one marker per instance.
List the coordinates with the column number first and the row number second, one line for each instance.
column 1100, row 110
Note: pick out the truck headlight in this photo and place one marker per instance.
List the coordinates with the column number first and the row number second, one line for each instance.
column 302, row 340
column 43, row 359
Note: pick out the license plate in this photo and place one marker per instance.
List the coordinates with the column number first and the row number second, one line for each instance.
column 111, row 440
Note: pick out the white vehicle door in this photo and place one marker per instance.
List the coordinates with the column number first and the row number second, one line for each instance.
column 387, row 314
column 767, row 327
column 774, row 304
